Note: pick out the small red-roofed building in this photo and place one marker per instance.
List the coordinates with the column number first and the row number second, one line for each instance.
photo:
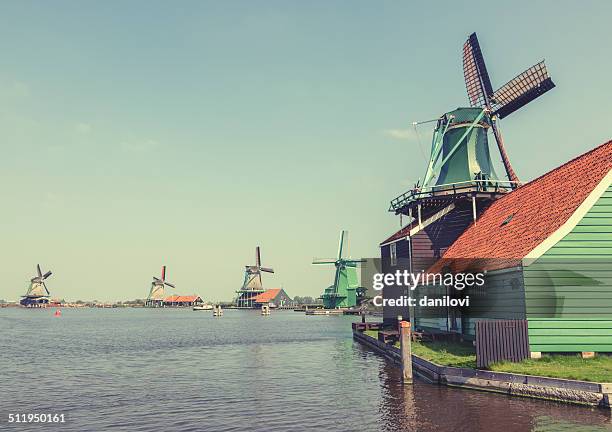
column 183, row 301
column 275, row 297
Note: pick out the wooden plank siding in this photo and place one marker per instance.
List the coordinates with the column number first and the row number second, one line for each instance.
column 433, row 319
column 390, row 314
column 424, row 249
column 568, row 291
column 502, row 297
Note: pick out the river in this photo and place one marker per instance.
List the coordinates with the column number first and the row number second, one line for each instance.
column 180, row 370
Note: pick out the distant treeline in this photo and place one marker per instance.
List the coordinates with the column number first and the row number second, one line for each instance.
column 306, row 300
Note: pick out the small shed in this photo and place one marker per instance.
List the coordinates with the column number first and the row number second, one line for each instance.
column 183, row 301
column 275, row 297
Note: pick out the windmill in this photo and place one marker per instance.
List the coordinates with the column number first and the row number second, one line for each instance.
column 345, row 292
column 460, row 159
column 460, row 181
column 252, row 284
column 35, row 296
column 158, row 287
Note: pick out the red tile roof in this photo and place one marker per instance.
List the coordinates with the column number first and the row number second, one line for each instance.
column 519, row 221
column 181, row 299
column 267, row 296
column 400, row 234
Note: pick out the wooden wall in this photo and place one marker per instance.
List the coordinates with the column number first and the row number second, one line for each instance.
column 501, row 297
column 569, row 289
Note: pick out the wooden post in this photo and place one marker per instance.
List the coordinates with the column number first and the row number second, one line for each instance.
column 406, row 352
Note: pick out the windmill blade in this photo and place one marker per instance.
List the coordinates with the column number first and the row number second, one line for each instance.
column 257, row 257
column 163, row 273
column 341, row 243
column 169, row 284
column 45, row 286
column 266, row 269
column 347, row 245
column 477, row 81
column 502, row 151
column 46, row 275
column 337, row 278
column 324, row 261
column 39, row 271
column 521, row 90
column 252, row 269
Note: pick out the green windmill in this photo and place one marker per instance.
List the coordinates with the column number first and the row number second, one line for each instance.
column 460, row 164
column 345, row 292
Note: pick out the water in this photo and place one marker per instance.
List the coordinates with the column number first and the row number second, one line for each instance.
column 180, row 370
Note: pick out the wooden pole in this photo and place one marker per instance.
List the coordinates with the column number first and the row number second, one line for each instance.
column 406, row 352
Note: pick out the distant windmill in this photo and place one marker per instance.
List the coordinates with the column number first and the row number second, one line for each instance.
column 38, row 293
column 157, row 292
column 252, row 284
column 345, row 292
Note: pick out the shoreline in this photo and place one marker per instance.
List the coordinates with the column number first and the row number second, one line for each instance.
column 556, row 389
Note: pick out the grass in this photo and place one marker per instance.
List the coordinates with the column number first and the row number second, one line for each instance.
column 446, row 353
column 598, row 369
column 440, row 352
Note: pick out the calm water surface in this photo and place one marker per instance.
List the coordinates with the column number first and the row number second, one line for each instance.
column 179, row 370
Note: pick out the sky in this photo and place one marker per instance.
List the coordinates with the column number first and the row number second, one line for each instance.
column 140, row 133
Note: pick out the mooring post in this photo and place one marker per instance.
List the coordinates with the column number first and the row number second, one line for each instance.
column 406, row 352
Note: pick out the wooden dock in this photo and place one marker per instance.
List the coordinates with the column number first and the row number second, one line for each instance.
column 324, row 312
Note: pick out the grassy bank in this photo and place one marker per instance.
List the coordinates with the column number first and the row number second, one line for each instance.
column 598, row 369
column 442, row 353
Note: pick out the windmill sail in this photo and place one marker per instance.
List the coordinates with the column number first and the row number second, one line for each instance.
column 477, row 80
column 521, row 90
column 513, row 95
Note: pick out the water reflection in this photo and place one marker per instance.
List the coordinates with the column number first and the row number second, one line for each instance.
column 426, row 407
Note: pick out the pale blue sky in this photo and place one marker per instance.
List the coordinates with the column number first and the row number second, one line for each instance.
column 134, row 134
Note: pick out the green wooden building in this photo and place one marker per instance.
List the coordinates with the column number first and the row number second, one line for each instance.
column 546, row 248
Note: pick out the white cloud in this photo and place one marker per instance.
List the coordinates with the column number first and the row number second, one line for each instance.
column 400, row 134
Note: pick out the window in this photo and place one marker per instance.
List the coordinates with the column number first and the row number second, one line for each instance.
column 393, row 251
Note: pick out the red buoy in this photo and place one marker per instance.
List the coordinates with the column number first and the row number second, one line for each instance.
column 58, row 312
